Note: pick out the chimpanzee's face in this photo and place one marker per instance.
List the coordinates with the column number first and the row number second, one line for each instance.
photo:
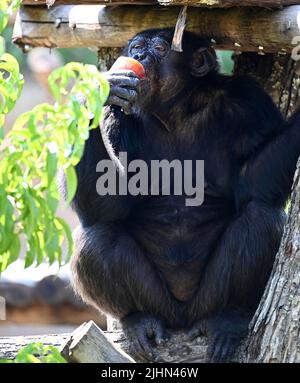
column 168, row 72
column 164, row 68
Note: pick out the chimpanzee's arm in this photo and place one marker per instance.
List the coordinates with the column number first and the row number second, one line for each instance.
column 106, row 143
column 88, row 204
column 268, row 175
column 270, row 145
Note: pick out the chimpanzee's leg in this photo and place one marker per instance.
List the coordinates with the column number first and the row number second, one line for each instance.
column 235, row 278
column 111, row 272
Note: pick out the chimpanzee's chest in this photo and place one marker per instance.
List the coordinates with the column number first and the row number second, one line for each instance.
column 180, row 225
column 188, row 155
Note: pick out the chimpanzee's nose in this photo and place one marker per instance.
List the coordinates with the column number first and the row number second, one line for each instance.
column 139, row 56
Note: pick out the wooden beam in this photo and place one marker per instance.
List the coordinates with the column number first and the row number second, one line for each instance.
column 231, row 3
column 71, row 26
column 85, row 2
column 194, row 3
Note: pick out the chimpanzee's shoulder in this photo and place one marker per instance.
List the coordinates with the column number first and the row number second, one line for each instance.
column 246, row 92
column 243, row 86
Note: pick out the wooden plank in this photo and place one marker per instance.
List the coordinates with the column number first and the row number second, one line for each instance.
column 231, row 3
column 194, row 3
column 71, row 26
column 103, row 2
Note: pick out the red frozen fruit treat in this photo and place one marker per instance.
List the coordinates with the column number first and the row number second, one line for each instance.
column 129, row 63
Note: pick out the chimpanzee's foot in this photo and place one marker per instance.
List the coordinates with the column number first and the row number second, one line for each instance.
column 140, row 328
column 225, row 331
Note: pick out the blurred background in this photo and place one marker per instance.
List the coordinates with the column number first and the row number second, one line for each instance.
column 40, row 300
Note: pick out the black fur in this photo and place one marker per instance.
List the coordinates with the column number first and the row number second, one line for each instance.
column 151, row 260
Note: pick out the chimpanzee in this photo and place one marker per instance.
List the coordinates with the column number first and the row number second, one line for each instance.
column 151, row 260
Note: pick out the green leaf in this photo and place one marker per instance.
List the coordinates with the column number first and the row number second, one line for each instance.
column 14, row 249
column 52, row 247
column 30, row 256
column 51, row 167
column 38, row 353
column 52, row 197
column 71, row 178
column 68, row 235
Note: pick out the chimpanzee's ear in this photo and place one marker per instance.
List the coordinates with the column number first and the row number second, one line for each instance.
column 203, row 61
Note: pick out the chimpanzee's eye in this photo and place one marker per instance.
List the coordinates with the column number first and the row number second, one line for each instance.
column 160, row 48
column 136, row 45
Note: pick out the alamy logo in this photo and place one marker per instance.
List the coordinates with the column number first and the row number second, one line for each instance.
column 156, row 179
column 2, row 308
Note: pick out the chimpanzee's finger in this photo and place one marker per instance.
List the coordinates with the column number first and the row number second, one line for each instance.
column 124, row 104
column 159, row 335
column 125, row 93
column 128, row 82
column 144, row 343
column 122, row 72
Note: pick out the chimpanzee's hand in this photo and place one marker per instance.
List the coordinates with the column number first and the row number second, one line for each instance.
column 123, row 89
column 225, row 332
column 140, row 329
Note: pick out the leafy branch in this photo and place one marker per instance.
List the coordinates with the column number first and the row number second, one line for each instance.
column 37, row 353
column 43, row 141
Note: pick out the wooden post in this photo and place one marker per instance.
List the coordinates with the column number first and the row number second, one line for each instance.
column 276, row 326
column 50, row 3
column 230, row 3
